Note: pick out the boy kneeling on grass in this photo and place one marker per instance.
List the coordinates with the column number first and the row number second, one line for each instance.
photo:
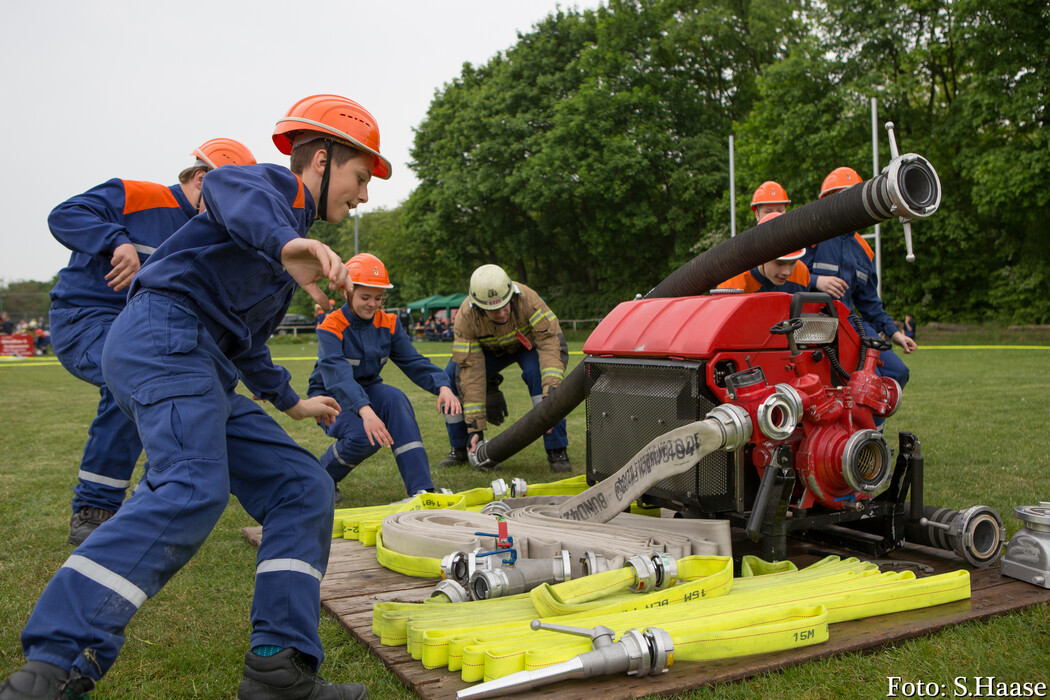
column 198, row 315
column 353, row 345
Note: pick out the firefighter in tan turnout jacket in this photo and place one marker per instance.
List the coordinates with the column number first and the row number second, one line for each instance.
column 502, row 323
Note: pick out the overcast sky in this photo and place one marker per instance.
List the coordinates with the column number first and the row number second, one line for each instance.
column 96, row 89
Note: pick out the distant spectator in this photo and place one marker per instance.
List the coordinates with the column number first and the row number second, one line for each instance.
column 42, row 341
column 909, row 326
column 405, row 316
column 7, row 326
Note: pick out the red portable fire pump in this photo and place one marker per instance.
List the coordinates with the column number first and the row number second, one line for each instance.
column 804, row 372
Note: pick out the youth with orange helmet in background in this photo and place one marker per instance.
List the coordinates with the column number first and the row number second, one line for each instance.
column 785, row 274
column 198, row 316
column 770, row 197
column 112, row 229
column 843, row 267
column 353, row 345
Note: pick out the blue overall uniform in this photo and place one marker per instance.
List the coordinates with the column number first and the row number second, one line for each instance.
column 351, row 352
column 847, row 258
column 197, row 319
column 83, row 306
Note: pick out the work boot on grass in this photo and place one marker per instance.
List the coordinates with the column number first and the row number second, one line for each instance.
column 85, row 521
column 456, row 457
column 287, row 676
column 559, row 460
column 42, row 681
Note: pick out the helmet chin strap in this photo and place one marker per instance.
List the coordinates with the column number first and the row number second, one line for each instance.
column 322, row 206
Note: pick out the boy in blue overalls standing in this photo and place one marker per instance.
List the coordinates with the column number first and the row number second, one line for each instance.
column 112, row 229
column 353, row 345
column 197, row 320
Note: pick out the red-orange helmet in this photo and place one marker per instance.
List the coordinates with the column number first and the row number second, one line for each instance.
column 769, row 192
column 339, row 117
column 839, row 179
column 366, row 270
column 218, row 152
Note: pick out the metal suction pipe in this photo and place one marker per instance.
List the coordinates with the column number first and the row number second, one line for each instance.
column 637, row 654
column 975, row 534
column 519, row 577
column 908, row 186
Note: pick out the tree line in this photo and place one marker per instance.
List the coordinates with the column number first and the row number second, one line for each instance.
column 590, row 158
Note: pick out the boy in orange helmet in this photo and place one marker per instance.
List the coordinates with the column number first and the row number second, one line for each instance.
column 785, row 274
column 112, row 229
column 196, row 323
column 770, row 197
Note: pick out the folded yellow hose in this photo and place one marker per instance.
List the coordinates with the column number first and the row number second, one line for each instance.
column 708, row 614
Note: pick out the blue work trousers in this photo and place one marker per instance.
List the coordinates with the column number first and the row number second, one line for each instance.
column 204, row 441
column 113, row 446
column 529, row 361
column 352, row 446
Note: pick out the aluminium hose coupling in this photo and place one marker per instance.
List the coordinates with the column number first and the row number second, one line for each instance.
column 460, row 566
column 779, row 414
column 499, row 489
column 520, row 577
column 653, row 573
column 478, row 459
column 451, row 591
column 735, row 424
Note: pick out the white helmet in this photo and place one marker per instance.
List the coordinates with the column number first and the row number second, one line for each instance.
column 490, row 288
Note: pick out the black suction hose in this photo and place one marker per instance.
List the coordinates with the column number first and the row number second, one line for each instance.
column 909, row 185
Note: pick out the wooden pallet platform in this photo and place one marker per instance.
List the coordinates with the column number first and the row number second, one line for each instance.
column 355, row 581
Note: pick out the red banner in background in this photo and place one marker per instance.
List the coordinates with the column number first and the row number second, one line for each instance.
column 19, row 344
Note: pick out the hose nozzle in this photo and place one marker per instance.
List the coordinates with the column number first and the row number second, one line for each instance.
column 637, row 653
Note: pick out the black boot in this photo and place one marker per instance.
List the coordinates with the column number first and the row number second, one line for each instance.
column 42, row 681
column 456, row 457
column 85, row 521
column 287, row 676
column 559, row 460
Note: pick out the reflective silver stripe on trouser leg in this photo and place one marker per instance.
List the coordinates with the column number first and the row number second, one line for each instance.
column 295, row 565
column 451, row 419
column 104, row 577
column 416, row 445
column 536, row 400
column 338, row 457
column 104, row 480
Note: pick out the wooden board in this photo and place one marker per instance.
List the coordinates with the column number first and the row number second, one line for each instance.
column 355, row 581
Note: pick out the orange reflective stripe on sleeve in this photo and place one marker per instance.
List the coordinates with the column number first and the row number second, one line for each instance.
column 385, row 320
column 139, row 196
column 335, row 322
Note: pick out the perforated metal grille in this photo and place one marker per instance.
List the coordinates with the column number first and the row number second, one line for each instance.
column 630, row 402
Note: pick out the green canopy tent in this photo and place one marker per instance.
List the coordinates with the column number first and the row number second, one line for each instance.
column 438, row 302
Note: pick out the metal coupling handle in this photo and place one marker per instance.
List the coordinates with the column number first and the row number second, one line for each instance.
column 477, row 457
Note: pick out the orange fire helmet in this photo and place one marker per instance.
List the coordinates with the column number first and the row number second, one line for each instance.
column 769, row 192
column 366, row 270
column 839, row 179
column 789, row 256
column 339, row 117
column 218, row 152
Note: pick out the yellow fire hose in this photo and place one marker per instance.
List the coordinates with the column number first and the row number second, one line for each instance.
column 708, row 614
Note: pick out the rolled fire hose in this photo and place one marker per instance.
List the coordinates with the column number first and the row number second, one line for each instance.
column 908, row 188
column 491, row 639
column 423, row 537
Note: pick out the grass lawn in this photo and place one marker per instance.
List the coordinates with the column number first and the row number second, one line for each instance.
column 981, row 415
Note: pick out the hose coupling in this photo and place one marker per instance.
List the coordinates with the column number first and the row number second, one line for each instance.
column 451, row 591
column 735, row 424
